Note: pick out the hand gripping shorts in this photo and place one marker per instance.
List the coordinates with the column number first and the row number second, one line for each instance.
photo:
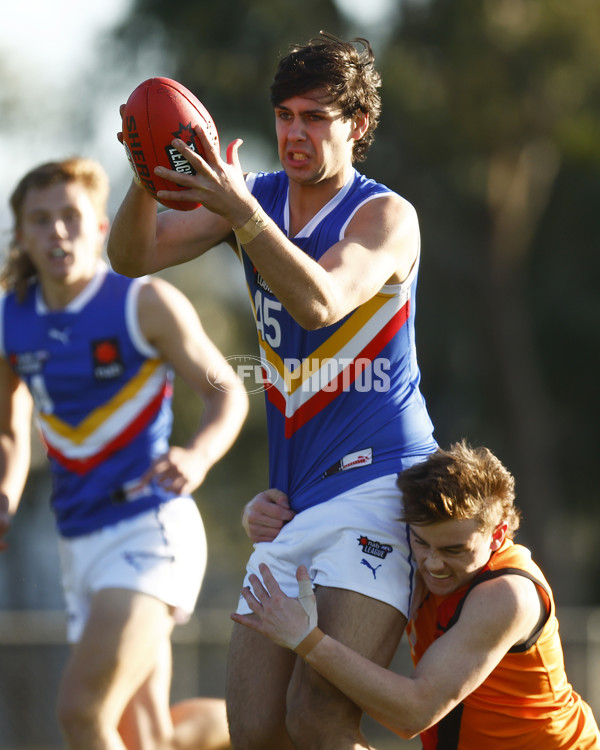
column 354, row 541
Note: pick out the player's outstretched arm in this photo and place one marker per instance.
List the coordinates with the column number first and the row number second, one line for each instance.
column 496, row 615
column 143, row 241
column 131, row 243
column 171, row 324
column 381, row 243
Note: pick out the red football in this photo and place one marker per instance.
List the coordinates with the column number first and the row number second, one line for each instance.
column 157, row 111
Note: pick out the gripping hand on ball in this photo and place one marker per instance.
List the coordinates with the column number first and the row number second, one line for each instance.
column 219, row 185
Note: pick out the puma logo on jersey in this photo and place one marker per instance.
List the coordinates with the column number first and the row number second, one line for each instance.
column 353, row 460
column 370, row 567
column 60, row 335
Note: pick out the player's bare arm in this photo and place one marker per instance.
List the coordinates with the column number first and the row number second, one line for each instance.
column 170, row 323
column 143, row 241
column 380, row 247
column 496, row 615
column 15, row 446
column 381, row 243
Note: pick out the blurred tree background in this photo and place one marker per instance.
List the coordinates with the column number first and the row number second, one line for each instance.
column 491, row 117
column 490, row 121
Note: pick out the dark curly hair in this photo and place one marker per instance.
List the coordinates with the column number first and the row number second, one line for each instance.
column 460, row 483
column 347, row 73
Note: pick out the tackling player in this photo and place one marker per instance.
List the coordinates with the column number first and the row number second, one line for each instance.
column 489, row 669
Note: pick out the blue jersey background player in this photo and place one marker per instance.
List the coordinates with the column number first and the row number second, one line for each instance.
column 94, row 353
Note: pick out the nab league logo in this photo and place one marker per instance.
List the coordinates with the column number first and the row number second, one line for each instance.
column 177, row 161
column 29, row 363
column 376, row 549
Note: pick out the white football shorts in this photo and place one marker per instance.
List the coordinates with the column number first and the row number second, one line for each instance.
column 354, row 541
column 161, row 552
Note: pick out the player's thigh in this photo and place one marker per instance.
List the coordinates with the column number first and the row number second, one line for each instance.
column 258, row 674
column 370, row 627
column 366, row 625
column 119, row 648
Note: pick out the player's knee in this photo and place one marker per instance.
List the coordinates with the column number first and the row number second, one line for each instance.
column 303, row 729
column 76, row 715
column 319, row 717
column 248, row 734
column 81, row 707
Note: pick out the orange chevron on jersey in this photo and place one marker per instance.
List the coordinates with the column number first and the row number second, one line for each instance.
column 107, row 428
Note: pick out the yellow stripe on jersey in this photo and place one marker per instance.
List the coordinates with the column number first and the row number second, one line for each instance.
column 328, row 349
column 78, row 434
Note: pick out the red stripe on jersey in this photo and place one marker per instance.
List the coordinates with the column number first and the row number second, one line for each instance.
column 83, row 466
column 348, row 375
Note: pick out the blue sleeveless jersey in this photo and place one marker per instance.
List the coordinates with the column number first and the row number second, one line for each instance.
column 343, row 402
column 102, row 398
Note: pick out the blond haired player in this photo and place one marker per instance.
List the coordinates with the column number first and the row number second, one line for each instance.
column 94, row 353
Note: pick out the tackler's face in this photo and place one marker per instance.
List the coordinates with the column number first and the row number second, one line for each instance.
column 449, row 554
column 61, row 233
column 315, row 141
